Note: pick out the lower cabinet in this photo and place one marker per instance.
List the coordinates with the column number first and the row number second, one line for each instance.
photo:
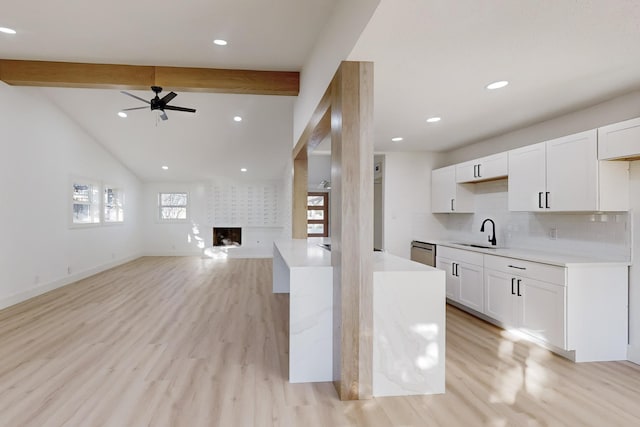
column 530, row 305
column 464, row 278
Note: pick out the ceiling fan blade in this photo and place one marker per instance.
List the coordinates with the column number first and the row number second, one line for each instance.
column 186, row 110
column 136, row 108
column 136, row 97
column 168, row 97
column 164, row 116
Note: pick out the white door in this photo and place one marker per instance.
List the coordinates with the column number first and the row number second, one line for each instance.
column 500, row 299
column 572, row 172
column 527, row 178
column 443, row 189
column 471, row 286
column 541, row 310
column 452, row 281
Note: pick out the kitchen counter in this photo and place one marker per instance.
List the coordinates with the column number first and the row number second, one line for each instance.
column 408, row 318
column 561, row 260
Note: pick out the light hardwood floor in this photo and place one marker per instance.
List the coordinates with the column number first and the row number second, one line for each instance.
column 200, row 342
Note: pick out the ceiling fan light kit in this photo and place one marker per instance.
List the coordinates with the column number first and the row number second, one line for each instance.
column 159, row 104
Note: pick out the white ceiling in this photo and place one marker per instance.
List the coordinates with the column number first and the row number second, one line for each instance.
column 432, row 57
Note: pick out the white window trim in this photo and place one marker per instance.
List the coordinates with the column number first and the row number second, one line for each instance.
column 159, row 218
column 121, row 195
column 83, row 180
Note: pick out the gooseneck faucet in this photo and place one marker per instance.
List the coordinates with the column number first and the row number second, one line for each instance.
column 492, row 238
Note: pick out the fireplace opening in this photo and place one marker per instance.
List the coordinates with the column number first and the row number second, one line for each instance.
column 227, row 236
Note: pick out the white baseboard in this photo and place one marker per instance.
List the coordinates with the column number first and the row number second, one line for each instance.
column 173, row 253
column 633, row 354
column 46, row 287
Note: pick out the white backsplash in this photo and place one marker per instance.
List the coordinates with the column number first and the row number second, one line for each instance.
column 602, row 235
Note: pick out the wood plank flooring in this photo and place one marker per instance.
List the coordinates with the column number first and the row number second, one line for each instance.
column 201, row 342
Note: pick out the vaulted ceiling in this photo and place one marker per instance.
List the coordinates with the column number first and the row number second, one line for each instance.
column 432, row 58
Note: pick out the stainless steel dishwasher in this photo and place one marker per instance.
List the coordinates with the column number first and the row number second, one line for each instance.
column 424, row 253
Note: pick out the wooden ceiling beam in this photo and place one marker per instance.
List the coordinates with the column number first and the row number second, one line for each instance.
column 141, row 77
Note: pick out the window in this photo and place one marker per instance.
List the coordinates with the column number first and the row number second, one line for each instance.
column 318, row 214
column 173, row 206
column 113, row 205
column 85, row 203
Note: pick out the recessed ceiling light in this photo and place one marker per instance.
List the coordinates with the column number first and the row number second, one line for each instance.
column 122, row 114
column 497, row 85
column 243, row 170
column 237, row 119
column 397, row 139
column 7, row 30
column 220, row 42
column 433, row 119
column 165, row 168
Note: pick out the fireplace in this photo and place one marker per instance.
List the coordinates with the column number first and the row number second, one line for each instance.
column 227, row 236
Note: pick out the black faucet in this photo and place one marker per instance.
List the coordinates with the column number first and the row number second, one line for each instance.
column 492, row 239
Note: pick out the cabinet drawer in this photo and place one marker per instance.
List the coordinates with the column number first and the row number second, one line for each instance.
column 460, row 255
column 543, row 272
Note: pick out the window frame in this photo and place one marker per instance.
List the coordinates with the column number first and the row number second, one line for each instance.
column 120, row 201
column 94, row 203
column 325, row 208
column 187, row 207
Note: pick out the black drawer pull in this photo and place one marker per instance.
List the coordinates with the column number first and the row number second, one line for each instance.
column 519, row 294
column 519, row 268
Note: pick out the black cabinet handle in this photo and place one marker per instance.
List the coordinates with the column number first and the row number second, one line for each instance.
column 546, row 200
column 455, row 269
column 519, row 268
column 452, row 204
column 513, row 279
column 479, row 175
column 475, row 174
column 519, row 294
column 540, row 199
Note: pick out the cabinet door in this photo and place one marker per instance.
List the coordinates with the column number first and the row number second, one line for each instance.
column 467, row 171
column 541, row 308
column 471, row 286
column 443, row 189
column 500, row 298
column 452, row 282
column 572, row 172
column 527, row 178
column 492, row 167
column 619, row 140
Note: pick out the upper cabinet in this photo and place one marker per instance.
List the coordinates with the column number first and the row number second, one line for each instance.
column 484, row 169
column 447, row 196
column 564, row 175
column 620, row 141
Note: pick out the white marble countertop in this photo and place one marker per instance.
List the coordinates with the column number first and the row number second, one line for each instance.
column 304, row 252
column 562, row 260
column 308, row 253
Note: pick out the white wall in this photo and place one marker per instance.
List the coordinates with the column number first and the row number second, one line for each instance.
column 333, row 46
column 584, row 232
column 41, row 148
column 195, row 236
column 407, row 201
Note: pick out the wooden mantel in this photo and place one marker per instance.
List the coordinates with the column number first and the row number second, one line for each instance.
column 141, row 77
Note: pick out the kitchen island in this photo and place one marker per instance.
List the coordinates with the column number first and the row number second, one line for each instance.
column 408, row 324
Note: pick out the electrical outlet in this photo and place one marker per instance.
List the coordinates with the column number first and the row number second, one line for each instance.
column 69, row 269
column 553, row 233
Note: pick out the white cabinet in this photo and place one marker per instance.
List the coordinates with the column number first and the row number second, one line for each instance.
column 564, row 175
column 464, row 276
column 448, row 196
column 619, row 140
column 516, row 299
column 483, row 169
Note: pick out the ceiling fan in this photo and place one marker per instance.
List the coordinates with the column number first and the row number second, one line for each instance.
column 158, row 103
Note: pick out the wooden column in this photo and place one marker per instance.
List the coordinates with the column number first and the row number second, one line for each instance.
column 300, row 186
column 352, row 227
